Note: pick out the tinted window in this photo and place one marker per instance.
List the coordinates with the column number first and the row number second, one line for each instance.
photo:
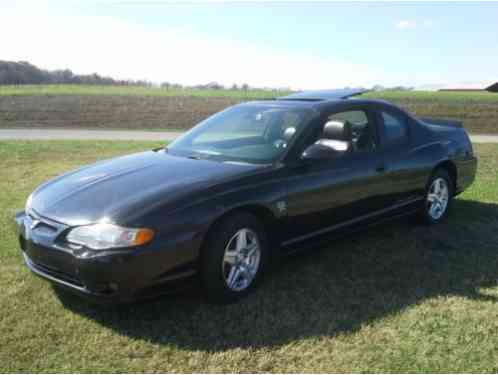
column 359, row 129
column 248, row 133
column 358, row 118
column 395, row 126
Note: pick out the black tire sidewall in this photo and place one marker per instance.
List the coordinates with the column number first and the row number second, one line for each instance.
column 439, row 173
column 213, row 282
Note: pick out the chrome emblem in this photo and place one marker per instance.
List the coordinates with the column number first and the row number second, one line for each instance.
column 34, row 224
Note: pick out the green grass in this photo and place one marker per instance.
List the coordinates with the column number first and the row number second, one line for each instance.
column 477, row 110
column 451, row 97
column 429, row 96
column 9, row 90
column 398, row 298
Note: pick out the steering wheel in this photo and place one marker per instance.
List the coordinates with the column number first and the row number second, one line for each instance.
column 287, row 134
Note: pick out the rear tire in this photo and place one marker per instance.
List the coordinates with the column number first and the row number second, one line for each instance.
column 234, row 258
column 438, row 197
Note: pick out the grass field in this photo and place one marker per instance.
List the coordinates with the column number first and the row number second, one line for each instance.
column 477, row 110
column 7, row 90
column 44, row 90
column 430, row 96
column 121, row 107
column 398, row 298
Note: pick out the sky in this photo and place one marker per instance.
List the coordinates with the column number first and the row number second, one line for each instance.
column 301, row 45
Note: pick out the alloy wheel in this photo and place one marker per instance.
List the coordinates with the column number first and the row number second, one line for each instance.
column 437, row 198
column 241, row 260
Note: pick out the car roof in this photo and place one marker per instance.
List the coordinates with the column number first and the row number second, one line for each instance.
column 322, row 95
column 319, row 100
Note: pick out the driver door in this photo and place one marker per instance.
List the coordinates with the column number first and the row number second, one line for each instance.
column 330, row 193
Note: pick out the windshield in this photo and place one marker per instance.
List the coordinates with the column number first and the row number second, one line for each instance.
column 246, row 133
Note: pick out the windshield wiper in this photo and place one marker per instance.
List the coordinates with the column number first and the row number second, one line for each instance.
column 203, row 154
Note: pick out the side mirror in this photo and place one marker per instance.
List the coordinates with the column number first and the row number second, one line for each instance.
column 326, row 149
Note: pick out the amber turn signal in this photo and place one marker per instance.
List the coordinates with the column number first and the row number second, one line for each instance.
column 143, row 236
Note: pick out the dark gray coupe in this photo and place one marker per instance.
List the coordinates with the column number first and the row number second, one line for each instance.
column 240, row 189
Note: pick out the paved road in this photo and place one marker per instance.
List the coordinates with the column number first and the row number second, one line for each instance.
column 45, row 134
column 484, row 138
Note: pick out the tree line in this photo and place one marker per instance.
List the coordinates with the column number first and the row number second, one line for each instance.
column 24, row 73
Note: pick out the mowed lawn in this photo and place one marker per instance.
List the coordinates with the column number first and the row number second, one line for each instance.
column 399, row 297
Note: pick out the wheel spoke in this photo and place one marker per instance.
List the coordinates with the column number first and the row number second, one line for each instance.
column 433, row 209
column 442, row 187
column 436, row 187
column 247, row 273
column 241, row 240
column 233, row 276
column 251, row 249
column 432, row 197
column 230, row 257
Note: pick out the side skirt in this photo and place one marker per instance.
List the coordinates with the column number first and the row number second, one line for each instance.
column 364, row 222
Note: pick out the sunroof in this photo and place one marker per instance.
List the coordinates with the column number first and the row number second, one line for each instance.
column 323, row 94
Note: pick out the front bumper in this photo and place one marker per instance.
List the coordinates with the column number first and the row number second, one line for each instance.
column 104, row 277
column 77, row 288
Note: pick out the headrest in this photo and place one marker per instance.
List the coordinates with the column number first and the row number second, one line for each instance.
column 338, row 130
column 289, row 133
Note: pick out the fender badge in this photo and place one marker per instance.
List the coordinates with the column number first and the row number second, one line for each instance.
column 281, row 206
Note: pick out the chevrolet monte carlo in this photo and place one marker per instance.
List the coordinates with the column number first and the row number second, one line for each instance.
column 232, row 195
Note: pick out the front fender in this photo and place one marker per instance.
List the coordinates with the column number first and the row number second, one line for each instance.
column 193, row 221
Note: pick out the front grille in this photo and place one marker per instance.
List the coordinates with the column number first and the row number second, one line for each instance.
column 57, row 274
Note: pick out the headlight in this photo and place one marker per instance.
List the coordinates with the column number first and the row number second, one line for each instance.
column 108, row 236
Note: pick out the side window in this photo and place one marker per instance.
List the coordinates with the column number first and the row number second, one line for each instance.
column 395, row 127
column 359, row 131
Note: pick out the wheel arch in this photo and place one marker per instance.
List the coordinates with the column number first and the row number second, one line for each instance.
column 450, row 167
column 261, row 212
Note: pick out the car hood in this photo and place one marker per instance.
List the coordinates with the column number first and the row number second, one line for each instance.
column 124, row 187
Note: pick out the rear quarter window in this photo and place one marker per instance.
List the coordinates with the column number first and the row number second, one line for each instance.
column 395, row 127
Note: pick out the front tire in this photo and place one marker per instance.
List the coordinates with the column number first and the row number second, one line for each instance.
column 234, row 258
column 438, row 197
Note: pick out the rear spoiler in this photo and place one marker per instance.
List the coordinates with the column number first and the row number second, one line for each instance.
column 442, row 122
